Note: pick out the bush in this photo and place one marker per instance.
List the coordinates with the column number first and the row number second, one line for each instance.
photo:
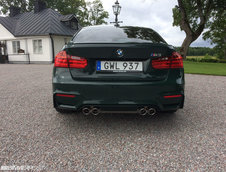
column 207, row 60
column 192, row 59
column 207, row 56
column 222, row 61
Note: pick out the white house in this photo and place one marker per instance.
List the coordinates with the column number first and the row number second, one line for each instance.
column 35, row 37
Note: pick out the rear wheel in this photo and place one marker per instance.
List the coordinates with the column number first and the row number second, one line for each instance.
column 59, row 110
column 63, row 111
column 170, row 111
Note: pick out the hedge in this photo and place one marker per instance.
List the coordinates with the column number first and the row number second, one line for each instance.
column 208, row 60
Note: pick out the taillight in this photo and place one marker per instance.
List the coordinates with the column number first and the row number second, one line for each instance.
column 61, row 60
column 65, row 95
column 77, row 62
column 175, row 61
column 64, row 60
column 172, row 96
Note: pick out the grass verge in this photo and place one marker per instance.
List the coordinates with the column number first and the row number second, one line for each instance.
column 205, row 68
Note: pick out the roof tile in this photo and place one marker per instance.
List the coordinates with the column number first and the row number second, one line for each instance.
column 45, row 22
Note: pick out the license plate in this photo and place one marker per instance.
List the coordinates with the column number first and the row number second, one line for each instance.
column 120, row 66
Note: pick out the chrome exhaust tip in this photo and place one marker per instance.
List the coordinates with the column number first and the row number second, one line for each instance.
column 86, row 111
column 142, row 111
column 151, row 111
column 95, row 111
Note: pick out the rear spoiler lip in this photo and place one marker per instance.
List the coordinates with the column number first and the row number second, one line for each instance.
column 133, row 44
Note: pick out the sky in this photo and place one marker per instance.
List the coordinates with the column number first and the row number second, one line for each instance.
column 155, row 14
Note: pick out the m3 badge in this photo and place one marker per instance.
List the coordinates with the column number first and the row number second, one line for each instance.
column 156, row 54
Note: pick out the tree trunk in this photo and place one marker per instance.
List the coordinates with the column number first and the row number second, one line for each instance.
column 225, row 54
column 185, row 23
column 184, row 48
column 224, row 48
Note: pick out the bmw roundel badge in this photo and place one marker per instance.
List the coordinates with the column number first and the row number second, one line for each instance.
column 119, row 52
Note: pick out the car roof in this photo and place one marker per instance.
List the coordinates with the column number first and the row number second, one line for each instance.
column 113, row 34
column 113, row 27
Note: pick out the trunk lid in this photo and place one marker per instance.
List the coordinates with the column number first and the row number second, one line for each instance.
column 135, row 52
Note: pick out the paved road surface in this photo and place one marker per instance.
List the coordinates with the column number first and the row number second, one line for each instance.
column 32, row 133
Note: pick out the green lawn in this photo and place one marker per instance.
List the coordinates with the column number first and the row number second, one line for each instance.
column 195, row 57
column 205, row 68
column 200, row 57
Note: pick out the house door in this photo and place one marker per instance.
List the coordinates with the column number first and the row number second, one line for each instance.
column 3, row 52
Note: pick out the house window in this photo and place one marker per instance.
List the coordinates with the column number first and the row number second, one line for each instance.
column 74, row 25
column 67, row 23
column 37, row 46
column 16, row 46
column 65, row 41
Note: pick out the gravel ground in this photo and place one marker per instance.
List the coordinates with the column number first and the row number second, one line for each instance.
column 32, row 133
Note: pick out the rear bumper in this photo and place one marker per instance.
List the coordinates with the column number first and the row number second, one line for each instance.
column 118, row 95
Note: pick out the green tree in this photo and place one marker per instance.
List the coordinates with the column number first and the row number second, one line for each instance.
column 97, row 13
column 217, row 29
column 77, row 7
column 192, row 17
column 5, row 4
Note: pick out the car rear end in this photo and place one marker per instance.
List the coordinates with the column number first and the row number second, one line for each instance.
column 144, row 76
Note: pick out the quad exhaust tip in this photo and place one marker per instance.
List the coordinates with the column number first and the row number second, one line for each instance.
column 86, row 111
column 90, row 111
column 141, row 111
column 147, row 111
column 95, row 111
column 151, row 111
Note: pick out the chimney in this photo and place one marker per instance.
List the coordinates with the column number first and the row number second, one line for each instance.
column 39, row 6
column 13, row 11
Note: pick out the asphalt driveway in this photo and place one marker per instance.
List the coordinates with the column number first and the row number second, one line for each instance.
column 32, row 133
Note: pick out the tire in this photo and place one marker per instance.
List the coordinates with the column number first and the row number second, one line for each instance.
column 63, row 111
column 170, row 111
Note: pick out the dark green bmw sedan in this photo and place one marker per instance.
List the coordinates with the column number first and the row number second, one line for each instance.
column 108, row 68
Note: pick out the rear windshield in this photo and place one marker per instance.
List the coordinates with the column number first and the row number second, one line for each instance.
column 111, row 34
